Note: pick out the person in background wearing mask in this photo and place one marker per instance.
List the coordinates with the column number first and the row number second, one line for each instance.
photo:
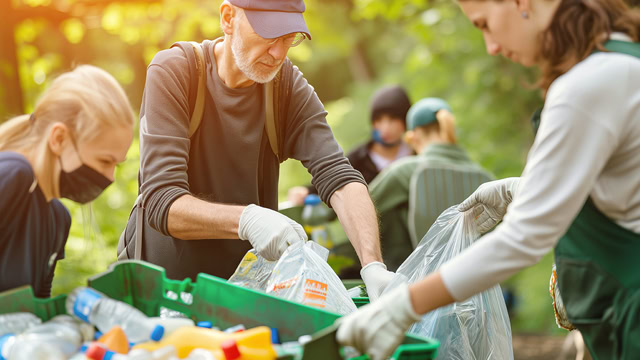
column 432, row 135
column 389, row 107
column 80, row 129
column 578, row 194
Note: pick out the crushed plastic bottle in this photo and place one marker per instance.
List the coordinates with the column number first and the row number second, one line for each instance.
column 16, row 347
column 49, row 341
column 15, row 323
column 98, row 309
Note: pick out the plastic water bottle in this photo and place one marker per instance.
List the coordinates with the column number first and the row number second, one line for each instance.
column 15, row 323
column 87, row 331
column 98, row 309
column 49, row 341
column 315, row 217
column 16, row 347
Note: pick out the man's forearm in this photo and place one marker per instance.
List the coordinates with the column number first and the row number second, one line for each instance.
column 358, row 218
column 192, row 219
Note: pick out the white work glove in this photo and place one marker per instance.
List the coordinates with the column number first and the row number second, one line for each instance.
column 376, row 277
column 268, row 231
column 489, row 202
column 378, row 328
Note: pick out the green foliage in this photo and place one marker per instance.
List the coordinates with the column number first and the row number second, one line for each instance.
column 358, row 46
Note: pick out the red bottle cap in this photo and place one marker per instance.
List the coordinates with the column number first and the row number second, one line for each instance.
column 230, row 349
column 95, row 352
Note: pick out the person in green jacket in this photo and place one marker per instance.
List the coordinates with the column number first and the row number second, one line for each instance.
column 431, row 134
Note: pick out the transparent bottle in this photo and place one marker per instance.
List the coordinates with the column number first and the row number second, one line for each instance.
column 15, row 323
column 54, row 339
column 98, row 309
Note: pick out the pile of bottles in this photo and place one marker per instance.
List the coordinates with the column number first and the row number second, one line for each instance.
column 101, row 328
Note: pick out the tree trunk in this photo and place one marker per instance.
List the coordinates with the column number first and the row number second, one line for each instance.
column 11, row 102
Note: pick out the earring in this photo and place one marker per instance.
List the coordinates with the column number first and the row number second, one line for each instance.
column 525, row 15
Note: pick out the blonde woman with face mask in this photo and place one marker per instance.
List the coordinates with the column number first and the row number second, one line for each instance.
column 579, row 194
column 80, row 129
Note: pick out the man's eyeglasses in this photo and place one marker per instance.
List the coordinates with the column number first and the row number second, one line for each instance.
column 290, row 40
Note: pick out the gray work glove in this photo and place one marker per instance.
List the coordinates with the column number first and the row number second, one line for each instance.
column 268, row 231
column 489, row 202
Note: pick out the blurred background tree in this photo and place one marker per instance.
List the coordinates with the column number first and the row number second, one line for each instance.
column 358, row 46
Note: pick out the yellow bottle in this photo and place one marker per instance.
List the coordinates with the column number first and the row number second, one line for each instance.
column 253, row 344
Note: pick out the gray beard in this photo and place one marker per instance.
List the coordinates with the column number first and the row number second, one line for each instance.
column 239, row 52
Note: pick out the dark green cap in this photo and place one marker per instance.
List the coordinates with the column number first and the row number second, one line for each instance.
column 424, row 112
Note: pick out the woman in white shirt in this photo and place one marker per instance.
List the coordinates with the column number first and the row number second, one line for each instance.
column 579, row 193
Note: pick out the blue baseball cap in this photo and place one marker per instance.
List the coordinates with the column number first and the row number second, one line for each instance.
column 424, row 112
column 274, row 18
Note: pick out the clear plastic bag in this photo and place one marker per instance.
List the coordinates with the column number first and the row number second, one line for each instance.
column 477, row 328
column 253, row 272
column 302, row 275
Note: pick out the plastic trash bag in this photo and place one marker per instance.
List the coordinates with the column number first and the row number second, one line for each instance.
column 253, row 272
column 302, row 275
column 477, row 328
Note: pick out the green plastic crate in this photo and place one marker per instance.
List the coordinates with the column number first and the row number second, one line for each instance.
column 22, row 300
column 145, row 286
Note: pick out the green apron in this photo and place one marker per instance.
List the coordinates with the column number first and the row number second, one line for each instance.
column 598, row 267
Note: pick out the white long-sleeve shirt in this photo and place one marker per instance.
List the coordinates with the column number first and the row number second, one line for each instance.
column 588, row 144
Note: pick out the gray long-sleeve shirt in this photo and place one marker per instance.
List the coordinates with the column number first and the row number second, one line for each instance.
column 228, row 159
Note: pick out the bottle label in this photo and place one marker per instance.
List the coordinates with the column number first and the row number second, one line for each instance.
column 84, row 302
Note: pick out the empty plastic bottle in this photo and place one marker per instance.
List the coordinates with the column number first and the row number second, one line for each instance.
column 15, row 323
column 19, row 347
column 87, row 331
column 98, row 309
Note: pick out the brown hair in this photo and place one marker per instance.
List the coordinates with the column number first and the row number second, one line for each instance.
column 578, row 28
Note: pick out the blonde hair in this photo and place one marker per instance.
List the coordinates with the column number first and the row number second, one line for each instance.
column 445, row 127
column 87, row 100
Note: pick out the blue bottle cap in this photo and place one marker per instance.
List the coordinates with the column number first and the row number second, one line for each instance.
column 205, row 324
column 157, row 333
column 97, row 335
column 108, row 355
column 275, row 336
column 312, row 199
column 84, row 347
column 84, row 302
column 3, row 340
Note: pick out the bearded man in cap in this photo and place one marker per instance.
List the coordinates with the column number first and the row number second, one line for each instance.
column 210, row 196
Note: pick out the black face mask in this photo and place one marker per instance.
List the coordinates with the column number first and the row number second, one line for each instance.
column 83, row 184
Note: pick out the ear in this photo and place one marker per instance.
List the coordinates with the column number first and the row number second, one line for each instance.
column 58, row 136
column 523, row 5
column 410, row 138
column 227, row 17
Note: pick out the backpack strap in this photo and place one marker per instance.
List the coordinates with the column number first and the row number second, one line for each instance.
column 277, row 98
column 195, row 58
column 270, row 117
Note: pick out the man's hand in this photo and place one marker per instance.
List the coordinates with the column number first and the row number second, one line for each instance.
column 378, row 328
column 376, row 277
column 268, row 231
column 489, row 202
